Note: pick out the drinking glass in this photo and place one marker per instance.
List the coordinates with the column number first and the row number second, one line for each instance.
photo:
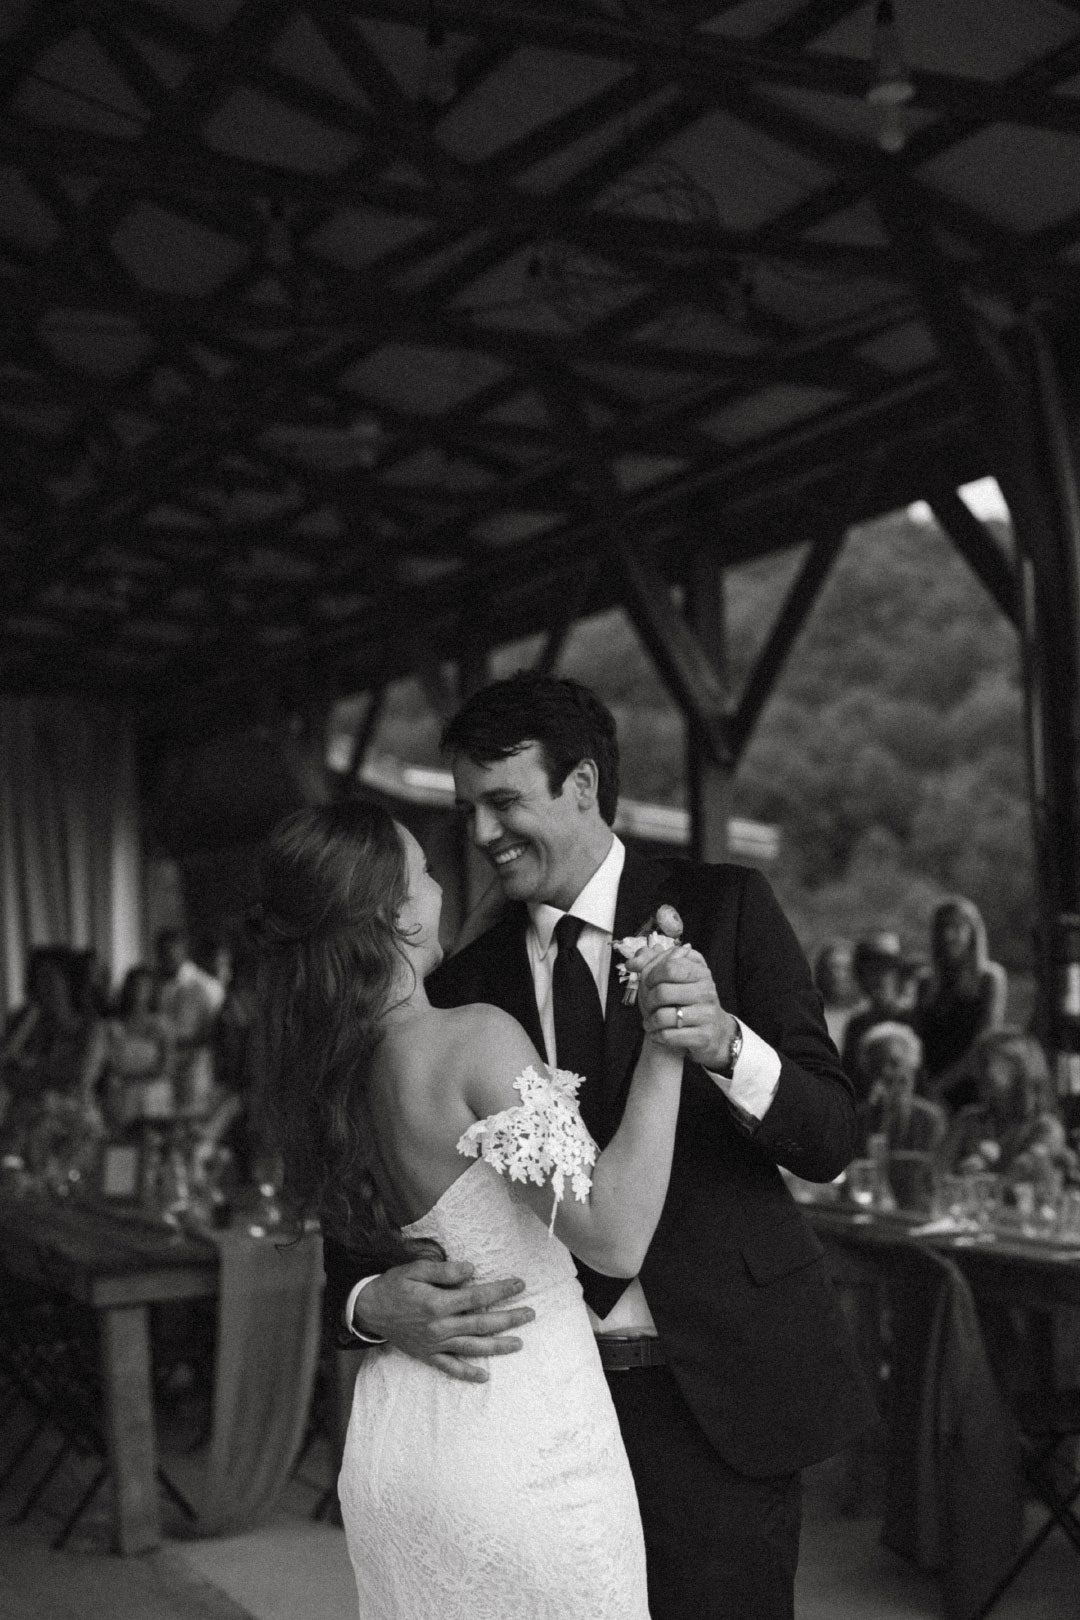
column 911, row 1177
column 861, row 1182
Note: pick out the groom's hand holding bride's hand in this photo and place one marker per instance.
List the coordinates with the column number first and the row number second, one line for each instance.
column 433, row 1311
column 680, row 1008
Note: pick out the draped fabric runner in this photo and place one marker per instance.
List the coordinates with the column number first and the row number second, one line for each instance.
column 953, row 1498
column 269, row 1331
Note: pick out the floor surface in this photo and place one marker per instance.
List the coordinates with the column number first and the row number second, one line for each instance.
column 297, row 1569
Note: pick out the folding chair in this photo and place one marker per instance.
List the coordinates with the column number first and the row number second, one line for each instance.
column 1045, row 1421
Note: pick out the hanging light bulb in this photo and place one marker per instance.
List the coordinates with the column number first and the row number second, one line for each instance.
column 438, row 84
column 892, row 88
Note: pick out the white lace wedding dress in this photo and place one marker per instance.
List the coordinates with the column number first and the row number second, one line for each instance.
column 508, row 1500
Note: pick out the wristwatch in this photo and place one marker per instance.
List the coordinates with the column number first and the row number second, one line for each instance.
column 728, row 1070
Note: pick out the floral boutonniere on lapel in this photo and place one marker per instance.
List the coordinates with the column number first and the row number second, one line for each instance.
column 665, row 929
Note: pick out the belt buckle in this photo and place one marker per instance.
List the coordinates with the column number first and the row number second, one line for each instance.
column 630, row 1351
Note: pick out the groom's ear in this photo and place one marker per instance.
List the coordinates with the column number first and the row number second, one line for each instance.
column 584, row 781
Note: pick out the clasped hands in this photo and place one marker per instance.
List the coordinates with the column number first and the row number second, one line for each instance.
column 681, row 1009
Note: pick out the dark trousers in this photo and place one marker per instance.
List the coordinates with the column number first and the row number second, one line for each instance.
column 720, row 1546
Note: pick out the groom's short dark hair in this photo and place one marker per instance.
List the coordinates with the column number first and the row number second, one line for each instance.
column 566, row 718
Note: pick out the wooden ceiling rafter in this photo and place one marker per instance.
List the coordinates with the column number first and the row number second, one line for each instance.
column 718, row 61
column 548, row 568
column 280, row 345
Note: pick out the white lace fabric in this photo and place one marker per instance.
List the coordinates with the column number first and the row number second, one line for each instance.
column 543, row 1138
column 513, row 1497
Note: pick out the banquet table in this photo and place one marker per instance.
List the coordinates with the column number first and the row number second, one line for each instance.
column 118, row 1265
column 1000, row 1264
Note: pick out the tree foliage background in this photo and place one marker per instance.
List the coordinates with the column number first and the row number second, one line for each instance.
column 890, row 755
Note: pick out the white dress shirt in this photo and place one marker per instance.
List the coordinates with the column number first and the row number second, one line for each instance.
column 750, row 1088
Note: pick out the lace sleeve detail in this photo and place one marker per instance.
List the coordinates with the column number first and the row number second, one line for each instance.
column 544, row 1137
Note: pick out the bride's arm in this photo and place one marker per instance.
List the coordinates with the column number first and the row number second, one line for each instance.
column 612, row 1229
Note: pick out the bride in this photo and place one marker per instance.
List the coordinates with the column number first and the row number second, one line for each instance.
column 414, row 1131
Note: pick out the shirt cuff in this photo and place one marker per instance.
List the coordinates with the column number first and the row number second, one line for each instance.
column 350, row 1306
column 752, row 1086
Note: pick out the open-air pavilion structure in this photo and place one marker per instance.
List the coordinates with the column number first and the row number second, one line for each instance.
column 350, row 338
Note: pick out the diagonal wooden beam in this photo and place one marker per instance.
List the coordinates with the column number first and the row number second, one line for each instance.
column 247, row 33
column 693, row 57
column 686, row 669
column 684, row 665
column 364, row 735
column 984, row 373
column 982, row 553
column 796, row 610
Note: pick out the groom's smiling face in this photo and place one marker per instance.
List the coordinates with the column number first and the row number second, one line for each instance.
column 543, row 846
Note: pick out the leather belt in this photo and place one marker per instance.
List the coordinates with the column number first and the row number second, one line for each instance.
column 622, row 1354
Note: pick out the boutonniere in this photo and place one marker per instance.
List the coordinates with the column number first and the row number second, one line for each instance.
column 665, row 929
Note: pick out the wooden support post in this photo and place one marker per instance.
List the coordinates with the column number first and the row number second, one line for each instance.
column 129, row 1427
column 1051, row 575
column 683, row 663
column 709, row 785
column 1018, row 407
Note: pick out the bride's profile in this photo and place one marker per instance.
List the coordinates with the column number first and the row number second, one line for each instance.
column 412, row 1131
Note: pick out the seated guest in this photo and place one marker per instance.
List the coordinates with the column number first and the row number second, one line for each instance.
column 876, row 963
column 140, row 1049
column 54, row 1045
column 889, row 1064
column 962, row 997
column 1013, row 1128
column 190, row 998
column 836, row 985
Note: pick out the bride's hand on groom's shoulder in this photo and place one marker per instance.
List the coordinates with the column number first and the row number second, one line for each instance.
column 433, row 1311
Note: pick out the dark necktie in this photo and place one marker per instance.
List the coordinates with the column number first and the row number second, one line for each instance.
column 579, row 1018
column 579, row 1046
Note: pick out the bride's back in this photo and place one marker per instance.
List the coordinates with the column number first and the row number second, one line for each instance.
column 419, row 1077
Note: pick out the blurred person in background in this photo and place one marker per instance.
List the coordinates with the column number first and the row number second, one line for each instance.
column 889, row 1066
column 140, row 1048
column 1013, row 1128
column 961, row 998
column 54, row 1046
column 836, row 985
column 190, row 998
column 877, row 964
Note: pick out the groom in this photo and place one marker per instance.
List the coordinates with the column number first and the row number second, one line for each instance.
column 727, row 1358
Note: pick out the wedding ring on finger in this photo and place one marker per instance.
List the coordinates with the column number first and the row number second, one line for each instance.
column 678, row 1017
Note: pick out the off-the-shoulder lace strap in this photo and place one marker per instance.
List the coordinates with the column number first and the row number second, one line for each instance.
column 543, row 1137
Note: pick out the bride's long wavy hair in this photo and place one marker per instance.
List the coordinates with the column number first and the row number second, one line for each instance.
column 333, row 881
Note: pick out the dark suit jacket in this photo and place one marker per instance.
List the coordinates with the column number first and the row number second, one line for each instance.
column 734, row 1276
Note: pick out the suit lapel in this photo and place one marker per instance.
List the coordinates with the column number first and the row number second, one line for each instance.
column 510, row 971
column 640, row 892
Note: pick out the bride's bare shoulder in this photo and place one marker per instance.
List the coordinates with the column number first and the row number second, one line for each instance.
column 492, row 1038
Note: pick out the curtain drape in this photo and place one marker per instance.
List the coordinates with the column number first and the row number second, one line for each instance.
column 70, row 845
